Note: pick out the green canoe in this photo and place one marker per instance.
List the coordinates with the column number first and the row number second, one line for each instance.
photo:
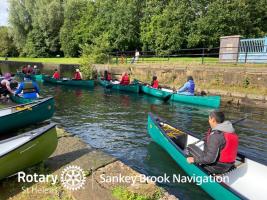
column 154, row 92
column 36, row 77
column 26, row 114
column 23, row 151
column 209, row 101
column 166, row 94
column 246, row 181
column 20, row 100
column 69, row 82
column 128, row 88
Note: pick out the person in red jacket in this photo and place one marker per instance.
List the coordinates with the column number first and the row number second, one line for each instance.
column 155, row 82
column 56, row 74
column 78, row 75
column 220, row 146
column 107, row 76
column 125, row 80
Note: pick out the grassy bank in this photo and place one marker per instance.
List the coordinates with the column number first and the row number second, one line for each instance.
column 46, row 60
column 197, row 61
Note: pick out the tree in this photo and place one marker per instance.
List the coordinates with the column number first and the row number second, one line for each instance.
column 7, row 47
column 20, row 20
column 73, row 11
column 222, row 18
column 166, row 28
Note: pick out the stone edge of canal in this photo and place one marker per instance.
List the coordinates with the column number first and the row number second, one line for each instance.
column 71, row 151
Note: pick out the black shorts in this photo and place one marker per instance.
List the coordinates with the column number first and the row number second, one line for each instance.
column 4, row 91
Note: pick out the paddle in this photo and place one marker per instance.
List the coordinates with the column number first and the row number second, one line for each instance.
column 165, row 99
column 109, row 86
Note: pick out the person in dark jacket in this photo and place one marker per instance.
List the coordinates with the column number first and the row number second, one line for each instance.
column 220, row 146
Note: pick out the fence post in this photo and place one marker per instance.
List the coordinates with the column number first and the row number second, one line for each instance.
column 246, row 55
column 203, row 52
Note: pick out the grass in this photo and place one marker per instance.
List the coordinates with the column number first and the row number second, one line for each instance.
column 208, row 61
column 46, row 60
column 121, row 193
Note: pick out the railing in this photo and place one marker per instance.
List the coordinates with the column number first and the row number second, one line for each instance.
column 241, row 54
column 253, row 50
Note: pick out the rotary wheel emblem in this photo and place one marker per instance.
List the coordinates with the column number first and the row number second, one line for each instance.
column 73, row 177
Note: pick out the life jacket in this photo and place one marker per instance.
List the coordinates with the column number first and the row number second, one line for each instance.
column 191, row 88
column 125, row 80
column 229, row 152
column 77, row 76
column 24, row 70
column 28, row 87
column 109, row 77
column 155, row 84
column 56, row 75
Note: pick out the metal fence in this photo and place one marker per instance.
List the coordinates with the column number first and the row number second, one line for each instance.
column 245, row 53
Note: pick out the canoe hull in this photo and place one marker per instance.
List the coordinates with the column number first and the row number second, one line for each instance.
column 20, row 100
column 154, row 92
column 81, row 83
column 127, row 88
column 36, row 77
column 214, row 189
column 42, row 111
column 209, row 101
column 29, row 154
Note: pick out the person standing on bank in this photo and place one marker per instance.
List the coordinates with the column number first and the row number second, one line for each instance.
column 220, row 146
column 188, row 88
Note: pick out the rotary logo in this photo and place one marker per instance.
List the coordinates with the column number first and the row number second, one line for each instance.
column 73, row 177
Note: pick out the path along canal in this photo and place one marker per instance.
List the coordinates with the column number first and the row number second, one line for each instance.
column 116, row 123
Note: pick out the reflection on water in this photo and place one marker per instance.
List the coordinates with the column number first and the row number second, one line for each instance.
column 116, row 123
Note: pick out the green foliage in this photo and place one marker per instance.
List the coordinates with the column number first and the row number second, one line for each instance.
column 35, row 26
column 122, row 193
column 222, row 18
column 94, row 28
column 69, row 35
column 7, row 46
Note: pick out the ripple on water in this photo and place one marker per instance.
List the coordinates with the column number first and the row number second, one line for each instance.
column 116, row 123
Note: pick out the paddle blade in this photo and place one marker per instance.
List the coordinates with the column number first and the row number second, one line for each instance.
column 167, row 97
column 109, row 86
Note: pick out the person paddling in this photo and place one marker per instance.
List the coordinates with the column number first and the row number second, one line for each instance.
column 125, row 79
column 220, row 146
column 155, row 82
column 29, row 88
column 56, row 74
column 188, row 88
column 5, row 88
column 78, row 75
column 107, row 76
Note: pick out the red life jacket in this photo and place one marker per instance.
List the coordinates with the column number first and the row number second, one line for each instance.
column 56, row 75
column 77, row 76
column 125, row 80
column 109, row 77
column 229, row 152
column 155, row 84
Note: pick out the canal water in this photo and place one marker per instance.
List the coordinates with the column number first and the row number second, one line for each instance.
column 115, row 122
